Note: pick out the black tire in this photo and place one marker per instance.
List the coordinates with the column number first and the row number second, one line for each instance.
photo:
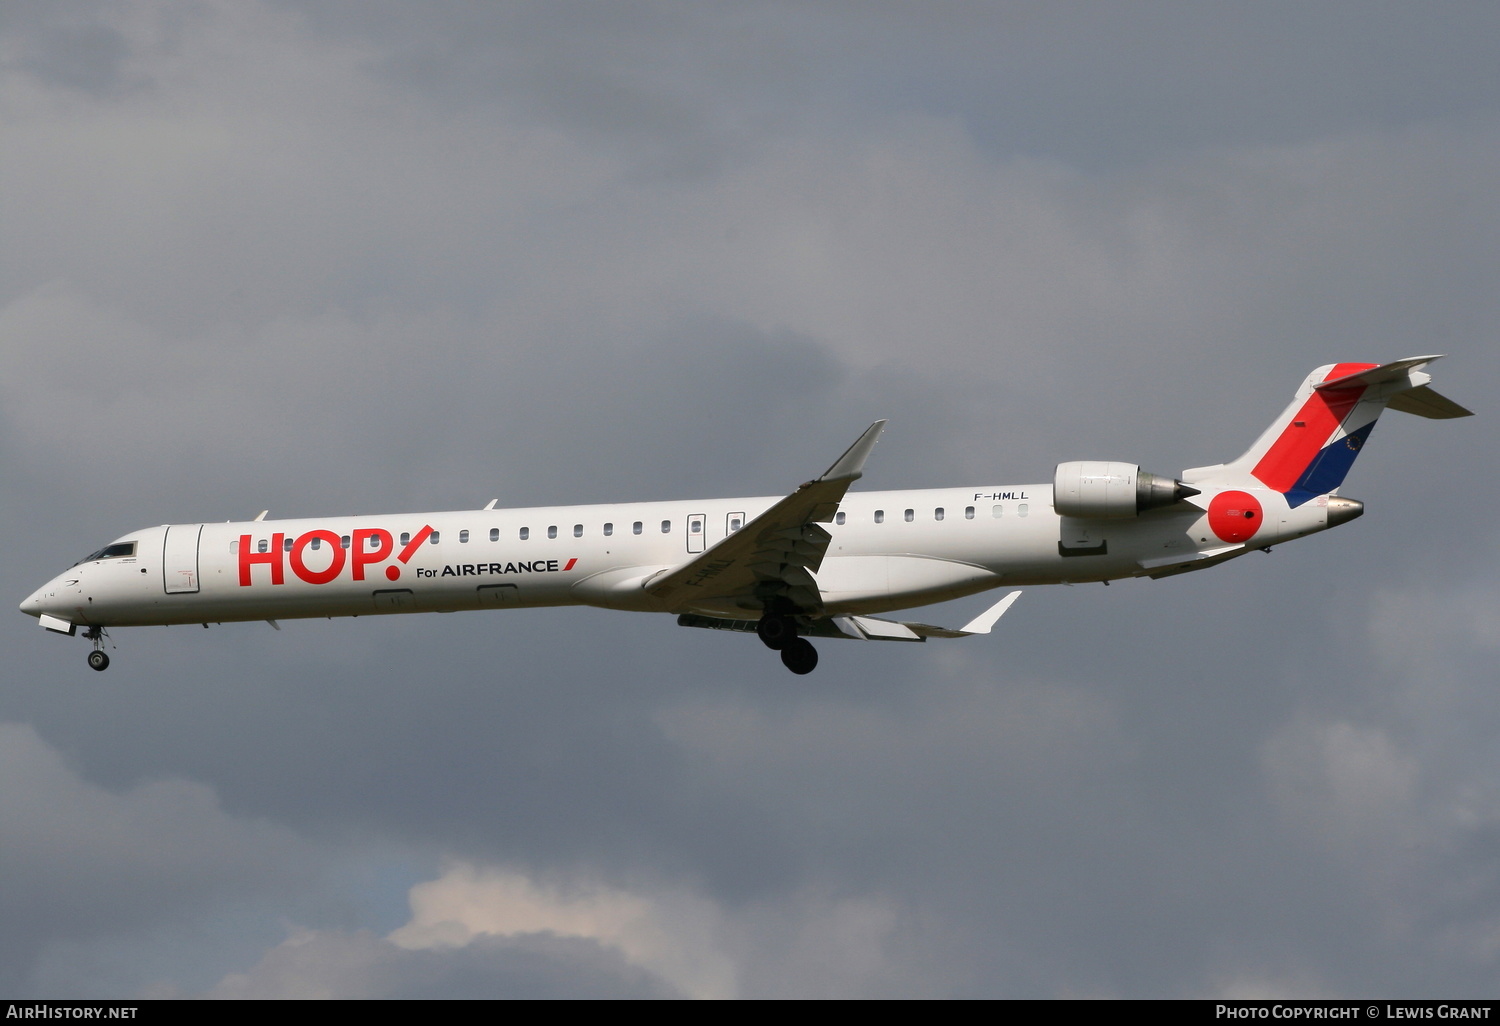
column 98, row 660
column 799, row 656
column 776, row 632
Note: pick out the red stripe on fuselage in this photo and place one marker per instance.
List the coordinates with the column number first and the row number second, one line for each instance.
column 1319, row 417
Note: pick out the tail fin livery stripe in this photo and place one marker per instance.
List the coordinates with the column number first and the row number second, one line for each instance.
column 1329, row 467
column 1301, row 442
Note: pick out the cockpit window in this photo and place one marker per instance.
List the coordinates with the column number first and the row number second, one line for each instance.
column 114, row 551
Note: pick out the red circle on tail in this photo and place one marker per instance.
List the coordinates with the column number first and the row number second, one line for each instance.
column 1234, row 516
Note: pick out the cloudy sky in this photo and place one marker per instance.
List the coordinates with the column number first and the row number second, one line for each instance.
column 331, row 258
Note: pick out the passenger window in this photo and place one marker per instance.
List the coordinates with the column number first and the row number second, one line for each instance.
column 968, row 512
column 552, row 531
column 286, row 545
column 405, row 539
column 344, row 542
column 838, row 518
column 1022, row 510
column 911, row 515
column 234, row 545
column 463, row 537
column 696, row 526
column 937, row 514
column 262, row 546
column 880, row 516
column 735, row 525
column 609, row 529
column 635, row 528
column 494, row 534
column 577, row 530
column 997, row 511
column 666, row 527
column 432, row 539
column 525, row 533
column 317, row 543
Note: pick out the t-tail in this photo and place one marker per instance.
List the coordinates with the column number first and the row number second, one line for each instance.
column 1308, row 450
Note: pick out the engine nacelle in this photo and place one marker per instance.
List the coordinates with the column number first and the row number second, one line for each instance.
column 1112, row 490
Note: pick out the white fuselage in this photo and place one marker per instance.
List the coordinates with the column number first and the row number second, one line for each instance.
column 889, row 550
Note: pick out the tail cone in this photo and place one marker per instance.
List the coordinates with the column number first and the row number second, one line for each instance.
column 1341, row 510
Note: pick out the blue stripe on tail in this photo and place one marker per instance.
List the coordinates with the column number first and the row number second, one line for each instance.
column 1329, row 467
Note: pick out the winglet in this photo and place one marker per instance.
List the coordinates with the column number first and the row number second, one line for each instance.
column 982, row 623
column 850, row 466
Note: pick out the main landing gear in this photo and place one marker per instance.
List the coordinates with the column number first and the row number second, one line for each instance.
column 98, row 658
column 779, row 633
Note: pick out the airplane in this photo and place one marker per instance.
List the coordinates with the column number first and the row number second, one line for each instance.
column 818, row 563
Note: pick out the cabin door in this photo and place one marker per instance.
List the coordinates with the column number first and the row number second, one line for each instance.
column 179, row 559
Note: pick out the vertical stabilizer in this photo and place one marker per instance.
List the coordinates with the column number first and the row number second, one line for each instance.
column 1308, row 450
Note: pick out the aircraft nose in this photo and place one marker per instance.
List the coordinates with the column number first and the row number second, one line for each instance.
column 33, row 605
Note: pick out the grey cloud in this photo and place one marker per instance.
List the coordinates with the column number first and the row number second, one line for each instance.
column 363, row 966
column 1097, row 87
column 68, row 45
column 81, row 861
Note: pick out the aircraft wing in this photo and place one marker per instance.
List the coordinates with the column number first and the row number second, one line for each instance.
column 866, row 628
column 873, row 628
column 775, row 555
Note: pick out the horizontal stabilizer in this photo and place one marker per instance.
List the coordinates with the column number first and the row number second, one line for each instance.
column 1424, row 402
column 1386, row 373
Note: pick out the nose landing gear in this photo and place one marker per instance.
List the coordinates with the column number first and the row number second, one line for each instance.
column 98, row 658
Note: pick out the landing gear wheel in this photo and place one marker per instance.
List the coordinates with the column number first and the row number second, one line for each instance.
column 98, row 660
column 776, row 632
column 799, row 656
